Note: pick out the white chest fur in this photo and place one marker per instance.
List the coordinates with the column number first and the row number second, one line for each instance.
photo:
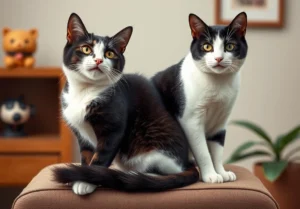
column 80, row 94
column 77, row 100
column 209, row 97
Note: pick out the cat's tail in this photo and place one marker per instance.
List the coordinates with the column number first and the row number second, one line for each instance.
column 131, row 181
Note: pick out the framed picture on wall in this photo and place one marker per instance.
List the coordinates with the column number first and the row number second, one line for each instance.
column 260, row 13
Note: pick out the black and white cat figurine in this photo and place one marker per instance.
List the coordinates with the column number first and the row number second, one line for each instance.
column 202, row 88
column 117, row 117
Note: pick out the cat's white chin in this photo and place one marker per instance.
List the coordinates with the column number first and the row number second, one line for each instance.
column 219, row 70
column 94, row 75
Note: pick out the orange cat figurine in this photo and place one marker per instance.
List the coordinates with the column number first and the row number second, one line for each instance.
column 19, row 46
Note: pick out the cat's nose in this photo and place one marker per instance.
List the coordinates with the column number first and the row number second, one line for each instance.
column 219, row 59
column 98, row 61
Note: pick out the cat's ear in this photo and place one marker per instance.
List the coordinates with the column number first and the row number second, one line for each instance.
column 239, row 23
column 122, row 38
column 75, row 28
column 34, row 32
column 197, row 25
column 5, row 31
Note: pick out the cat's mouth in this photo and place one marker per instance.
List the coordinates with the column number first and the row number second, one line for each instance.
column 218, row 66
column 96, row 69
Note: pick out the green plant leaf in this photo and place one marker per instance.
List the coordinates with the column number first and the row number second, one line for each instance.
column 245, row 146
column 239, row 157
column 255, row 128
column 273, row 170
column 292, row 152
column 283, row 140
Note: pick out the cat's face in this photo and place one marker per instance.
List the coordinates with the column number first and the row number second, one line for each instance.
column 94, row 58
column 219, row 49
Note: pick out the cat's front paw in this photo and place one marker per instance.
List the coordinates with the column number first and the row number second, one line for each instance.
column 83, row 188
column 212, row 178
column 228, row 176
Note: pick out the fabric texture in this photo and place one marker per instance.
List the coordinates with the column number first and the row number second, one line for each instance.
column 245, row 193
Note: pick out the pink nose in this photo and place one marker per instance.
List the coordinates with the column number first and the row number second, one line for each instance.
column 219, row 59
column 98, row 61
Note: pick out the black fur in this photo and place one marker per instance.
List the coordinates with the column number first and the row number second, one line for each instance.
column 135, row 120
column 129, row 182
column 219, row 137
column 170, row 89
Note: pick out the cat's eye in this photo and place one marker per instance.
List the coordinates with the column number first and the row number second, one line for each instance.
column 12, row 41
column 230, row 47
column 207, row 47
column 26, row 41
column 109, row 54
column 86, row 49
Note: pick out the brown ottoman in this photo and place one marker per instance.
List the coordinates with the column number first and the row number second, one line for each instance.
column 246, row 193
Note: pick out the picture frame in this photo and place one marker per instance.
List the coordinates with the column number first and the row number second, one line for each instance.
column 260, row 13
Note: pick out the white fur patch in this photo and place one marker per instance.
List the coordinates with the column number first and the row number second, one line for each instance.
column 83, row 188
column 80, row 95
column 142, row 163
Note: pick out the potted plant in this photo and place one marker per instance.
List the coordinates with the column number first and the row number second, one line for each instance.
column 280, row 174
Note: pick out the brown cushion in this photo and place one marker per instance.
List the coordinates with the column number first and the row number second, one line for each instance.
column 246, row 193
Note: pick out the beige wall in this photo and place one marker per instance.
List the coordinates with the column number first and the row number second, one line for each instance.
column 270, row 89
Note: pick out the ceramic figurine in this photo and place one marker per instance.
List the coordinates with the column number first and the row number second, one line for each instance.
column 14, row 113
column 19, row 47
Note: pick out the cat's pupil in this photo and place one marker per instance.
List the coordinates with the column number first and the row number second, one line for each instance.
column 26, row 41
column 12, row 41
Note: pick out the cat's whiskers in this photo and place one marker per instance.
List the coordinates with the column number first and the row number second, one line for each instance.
column 119, row 77
column 110, row 78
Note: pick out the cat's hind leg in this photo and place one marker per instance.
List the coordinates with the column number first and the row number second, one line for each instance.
column 216, row 147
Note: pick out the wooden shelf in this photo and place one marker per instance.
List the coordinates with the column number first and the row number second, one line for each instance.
column 49, row 140
column 42, row 72
column 37, row 144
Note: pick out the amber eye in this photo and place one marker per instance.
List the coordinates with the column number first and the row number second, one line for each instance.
column 12, row 41
column 207, row 47
column 26, row 41
column 86, row 49
column 230, row 47
column 109, row 54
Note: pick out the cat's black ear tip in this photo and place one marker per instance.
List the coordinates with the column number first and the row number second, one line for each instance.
column 74, row 15
column 243, row 14
column 192, row 15
column 129, row 28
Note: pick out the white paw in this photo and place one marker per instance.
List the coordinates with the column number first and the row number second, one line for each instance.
column 83, row 188
column 212, row 178
column 228, row 176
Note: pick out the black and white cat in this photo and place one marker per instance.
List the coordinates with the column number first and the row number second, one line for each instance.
column 117, row 117
column 201, row 90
